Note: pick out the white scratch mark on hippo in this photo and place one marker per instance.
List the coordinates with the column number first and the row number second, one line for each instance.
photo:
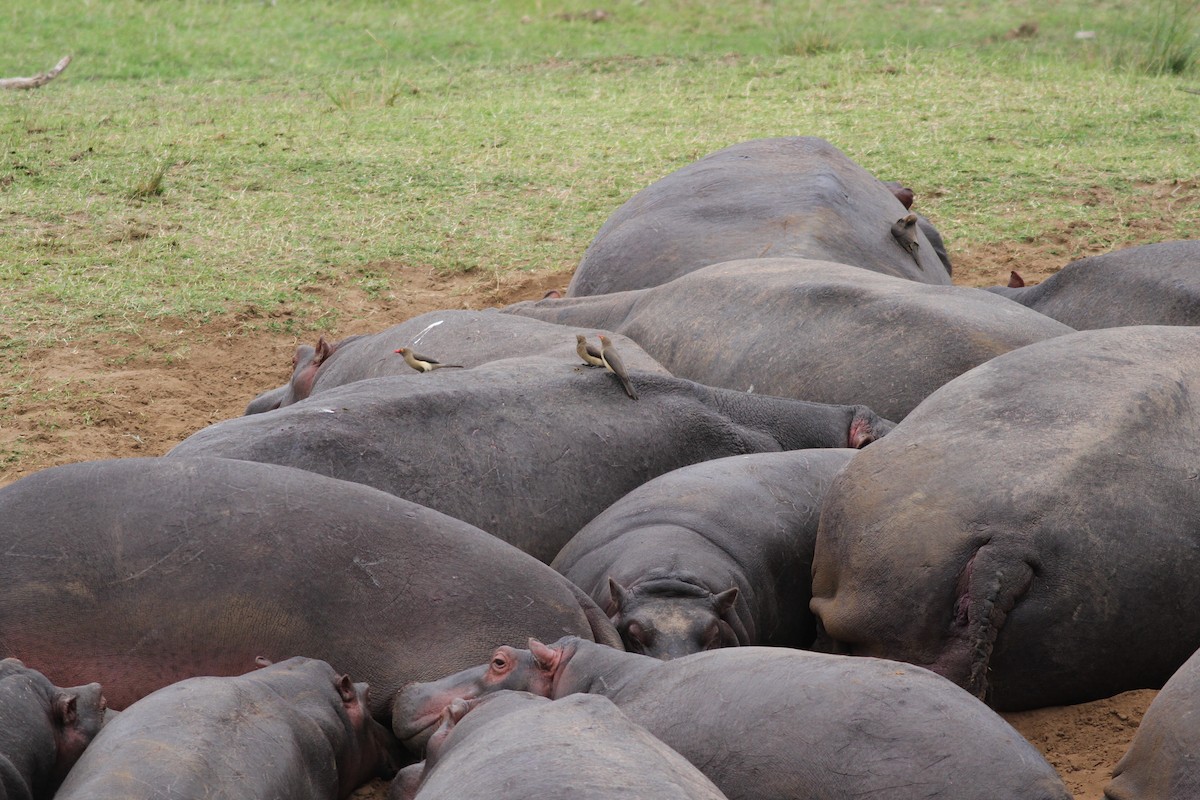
column 417, row 339
column 143, row 571
column 365, row 566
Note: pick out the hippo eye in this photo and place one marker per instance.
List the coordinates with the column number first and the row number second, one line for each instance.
column 499, row 662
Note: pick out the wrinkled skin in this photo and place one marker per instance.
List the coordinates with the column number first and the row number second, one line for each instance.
column 796, row 197
column 514, row 745
column 530, row 449
column 469, row 338
column 43, row 730
column 1160, row 763
column 1153, row 284
column 774, row 723
column 717, row 554
column 143, row 572
column 811, row 330
column 295, row 729
column 1037, row 521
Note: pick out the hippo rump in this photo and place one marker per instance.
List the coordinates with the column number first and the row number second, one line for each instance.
column 717, row 554
column 527, row 449
column 793, row 197
column 468, row 338
column 143, row 572
column 768, row 723
column 295, row 729
column 1154, row 284
column 1160, row 763
column 812, row 330
column 515, row 745
column 43, row 730
column 1037, row 520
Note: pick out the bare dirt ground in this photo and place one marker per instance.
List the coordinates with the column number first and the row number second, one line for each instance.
column 140, row 395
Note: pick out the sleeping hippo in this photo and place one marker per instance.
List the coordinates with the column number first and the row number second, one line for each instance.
column 515, row 745
column 792, row 197
column 1154, row 284
column 527, row 449
column 141, row 572
column 717, row 554
column 812, row 330
column 769, row 723
column 470, row 338
column 1036, row 519
column 43, row 730
column 295, row 730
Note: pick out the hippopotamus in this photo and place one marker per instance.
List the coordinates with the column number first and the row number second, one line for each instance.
column 1036, row 519
column 471, row 338
column 1161, row 760
column 527, row 449
column 1154, row 284
column 296, row 729
column 716, row 554
column 143, row 572
column 811, row 330
column 43, row 730
column 797, row 197
column 770, row 723
column 516, row 745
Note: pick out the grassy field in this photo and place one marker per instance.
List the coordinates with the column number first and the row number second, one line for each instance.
column 212, row 160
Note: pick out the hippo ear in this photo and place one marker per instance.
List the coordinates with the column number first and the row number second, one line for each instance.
column 345, row 688
column 65, row 709
column 724, row 601
column 263, row 661
column 324, row 351
column 618, row 599
column 1015, row 281
column 546, row 658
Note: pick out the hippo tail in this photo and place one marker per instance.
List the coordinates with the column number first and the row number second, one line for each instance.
column 603, row 631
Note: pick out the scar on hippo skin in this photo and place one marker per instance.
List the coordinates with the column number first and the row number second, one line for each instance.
column 905, row 231
column 986, row 592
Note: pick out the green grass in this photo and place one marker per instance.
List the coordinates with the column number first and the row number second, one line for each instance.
column 204, row 158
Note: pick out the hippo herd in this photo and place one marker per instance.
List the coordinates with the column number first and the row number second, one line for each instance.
column 822, row 517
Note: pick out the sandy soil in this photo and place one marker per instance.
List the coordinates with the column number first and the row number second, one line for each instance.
column 139, row 395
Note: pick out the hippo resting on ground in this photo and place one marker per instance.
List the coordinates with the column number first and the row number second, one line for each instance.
column 142, row 572
column 795, row 197
column 811, row 330
column 767, row 723
column 527, row 449
column 469, row 338
column 713, row 555
column 294, row 730
column 516, row 746
column 1155, row 284
column 43, row 730
column 1161, row 761
column 1036, row 522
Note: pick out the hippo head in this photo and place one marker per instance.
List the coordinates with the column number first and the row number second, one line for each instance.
column 305, row 363
column 668, row 618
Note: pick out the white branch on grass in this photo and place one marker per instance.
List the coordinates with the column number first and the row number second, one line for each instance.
column 41, row 79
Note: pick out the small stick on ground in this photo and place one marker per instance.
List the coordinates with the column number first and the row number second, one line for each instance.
column 41, row 79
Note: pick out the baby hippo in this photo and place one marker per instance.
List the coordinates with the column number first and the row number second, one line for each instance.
column 43, row 730
column 515, row 745
column 295, row 729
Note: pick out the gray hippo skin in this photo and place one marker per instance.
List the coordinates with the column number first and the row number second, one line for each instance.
column 1031, row 530
column 294, row 730
column 797, row 197
column 469, row 338
column 43, row 730
column 1161, row 761
column 713, row 555
column 143, row 572
column 768, row 723
column 818, row 331
column 515, row 745
column 1154, row 284
column 529, row 449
